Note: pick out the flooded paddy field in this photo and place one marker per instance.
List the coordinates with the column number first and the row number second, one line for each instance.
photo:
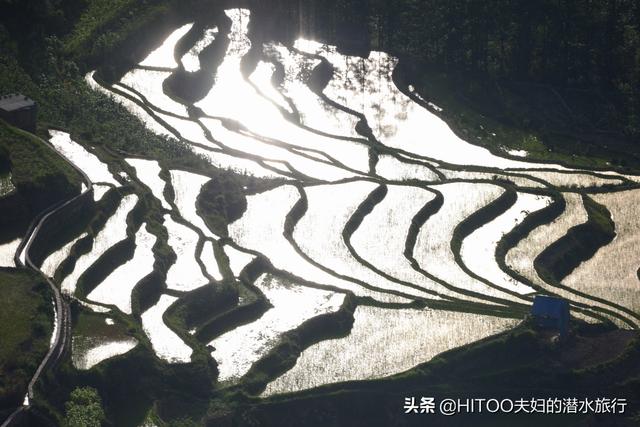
column 384, row 342
column 113, row 232
column 8, row 252
column 117, row 287
column 320, row 225
column 98, row 338
column 292, row 304
column 612, row 273
column 52, row 262
column 166, row 343
column 344, row 223
column 148, row 171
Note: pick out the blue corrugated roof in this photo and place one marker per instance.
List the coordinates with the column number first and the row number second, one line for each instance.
column 550, row 306
column 551, row 312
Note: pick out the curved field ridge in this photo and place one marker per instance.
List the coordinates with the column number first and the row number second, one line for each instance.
column 236, row 350
column 612, row 272
column 116, row 289
column 89, row 351
column 113, row 232
column 167, row 345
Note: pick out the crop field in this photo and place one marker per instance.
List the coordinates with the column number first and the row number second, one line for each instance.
column 148, row 172
column 479, row 248
column 52, row 262
column 117, row 287
column 98, row 338
column 612, row 273
column 333, row 231
column 383, row 342
column 113, row 232
column 238, row 349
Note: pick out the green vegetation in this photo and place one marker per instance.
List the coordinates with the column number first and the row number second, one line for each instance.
column 497, row 123
column 39, row 179
column 579, row 244
column 132, row 382
column 534, row 75
column 93, row 324
column 65, row 100
column 84, row 408
column 535, row 66
column 223, row 201
column 91, row 33
column 202, row 304
column 251, row 305
column 25, row 327
column 37, row 169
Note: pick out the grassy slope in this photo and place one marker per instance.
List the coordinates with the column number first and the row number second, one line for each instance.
column 66, row 101
column 39, row 176
column 94, row 18
column 25, row 327
column 105, row 24
column 493, row 117
column 33, row 165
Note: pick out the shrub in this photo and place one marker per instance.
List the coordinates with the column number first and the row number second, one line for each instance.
column 84, row 408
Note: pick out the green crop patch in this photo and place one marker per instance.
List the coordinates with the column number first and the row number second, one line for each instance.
column 26, row 319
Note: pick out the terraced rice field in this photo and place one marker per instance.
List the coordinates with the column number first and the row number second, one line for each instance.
column 383, row 342
column 98, row 339
column 52, row 262
column 400, row 238
column 239, row 348
column 166, row 343
column 612, row 273
column 148, row 171
column 113, row 232
column 97, row 171
column 117, row 287
column 185, row 274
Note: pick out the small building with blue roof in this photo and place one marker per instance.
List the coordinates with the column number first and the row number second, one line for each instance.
column 551, row 313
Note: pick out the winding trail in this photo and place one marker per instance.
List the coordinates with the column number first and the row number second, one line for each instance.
column 62, row 327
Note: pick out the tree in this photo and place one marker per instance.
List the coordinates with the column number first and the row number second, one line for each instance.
column 84, row 408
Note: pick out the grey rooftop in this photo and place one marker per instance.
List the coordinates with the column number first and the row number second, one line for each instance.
column 13, row 102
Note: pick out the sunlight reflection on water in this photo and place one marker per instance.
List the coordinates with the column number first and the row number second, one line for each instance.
column 260, row 126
